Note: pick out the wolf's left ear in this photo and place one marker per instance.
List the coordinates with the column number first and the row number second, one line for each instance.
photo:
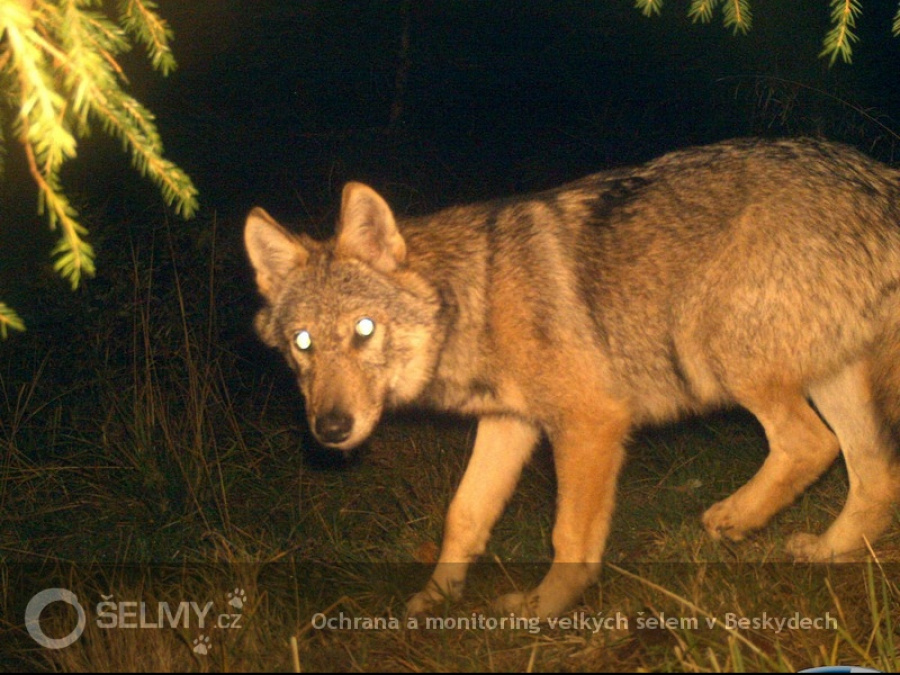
column 367, row 230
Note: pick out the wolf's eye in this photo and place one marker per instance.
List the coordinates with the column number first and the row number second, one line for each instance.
column 303, row 340
column 365, row 327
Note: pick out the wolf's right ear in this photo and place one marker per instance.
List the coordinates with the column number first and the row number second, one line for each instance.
column 273, row 251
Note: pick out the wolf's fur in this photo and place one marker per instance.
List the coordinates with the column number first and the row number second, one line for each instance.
column 749, row 272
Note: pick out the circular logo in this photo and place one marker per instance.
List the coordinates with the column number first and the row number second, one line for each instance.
column 33, row 617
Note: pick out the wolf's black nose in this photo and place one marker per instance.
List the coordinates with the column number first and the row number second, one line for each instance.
column 333, row 427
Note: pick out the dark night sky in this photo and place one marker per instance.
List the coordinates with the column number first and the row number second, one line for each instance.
column 280, row 102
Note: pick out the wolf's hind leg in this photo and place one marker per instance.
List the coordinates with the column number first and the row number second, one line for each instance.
column 801, row 448
column 846, row 403
column 503, row 445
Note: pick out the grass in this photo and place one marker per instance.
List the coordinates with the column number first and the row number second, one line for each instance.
column 157, row 454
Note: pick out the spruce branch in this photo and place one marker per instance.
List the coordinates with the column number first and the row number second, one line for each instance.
column 702, row 10
column 62, row 77
column 76, row 257
column 649, row 7
column 9, row 320
column 140, row 19
column 737, row 15
column 839, row 40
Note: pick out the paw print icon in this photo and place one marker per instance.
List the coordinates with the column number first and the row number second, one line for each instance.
column 201, row 645
column 237, row 598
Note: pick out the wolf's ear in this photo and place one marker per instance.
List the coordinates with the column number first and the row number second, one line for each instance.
column 273, row 251
column 367, row 230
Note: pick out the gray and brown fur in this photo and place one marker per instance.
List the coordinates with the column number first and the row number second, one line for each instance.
column 750, row 272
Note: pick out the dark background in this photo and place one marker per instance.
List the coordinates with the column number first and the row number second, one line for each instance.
column 281, row 102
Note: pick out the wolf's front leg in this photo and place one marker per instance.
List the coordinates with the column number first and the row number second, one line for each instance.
column 588, row 454
column 503, row 445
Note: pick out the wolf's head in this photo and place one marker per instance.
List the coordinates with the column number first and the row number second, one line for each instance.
column 357, row 325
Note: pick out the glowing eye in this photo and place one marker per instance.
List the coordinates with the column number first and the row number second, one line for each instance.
column 365, row 327
column 303, row 340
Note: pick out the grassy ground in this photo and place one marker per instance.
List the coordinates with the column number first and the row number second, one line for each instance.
column 151, row 452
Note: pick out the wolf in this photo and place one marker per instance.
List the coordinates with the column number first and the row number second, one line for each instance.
column 757, row 273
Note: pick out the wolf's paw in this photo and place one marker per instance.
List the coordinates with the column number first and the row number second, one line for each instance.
column 723, row 520
column 422, row 604
column 430, row 598
column 806, row 547
column 519, row 604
